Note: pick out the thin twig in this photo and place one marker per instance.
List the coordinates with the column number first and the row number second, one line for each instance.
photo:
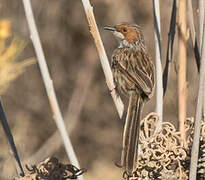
column 49, row 84
column 170, row 44
column 201, row 22
column 103, row 57
column 198, row 116
column 10, row 138
column 193, row 33
column 158, row 64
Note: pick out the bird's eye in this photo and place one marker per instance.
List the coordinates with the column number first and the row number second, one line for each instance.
column 124, row 30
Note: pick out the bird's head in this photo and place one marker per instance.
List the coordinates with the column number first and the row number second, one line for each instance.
column 129, row 35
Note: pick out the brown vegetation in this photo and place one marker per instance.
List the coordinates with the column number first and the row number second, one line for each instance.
column 95, row 128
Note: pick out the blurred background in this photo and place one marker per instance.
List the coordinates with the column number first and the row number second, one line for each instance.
column 87, row 107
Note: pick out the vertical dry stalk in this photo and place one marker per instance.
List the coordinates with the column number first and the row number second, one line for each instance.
column 170, row 44
column 103, row 57
column 201, row 23
column 193, row 32
column 49, row 84
column 182, row 84
column 191, row 22
column 159, row 87
column 201, row 26
column 198, row 116
column 201, row 95
column 11, row 141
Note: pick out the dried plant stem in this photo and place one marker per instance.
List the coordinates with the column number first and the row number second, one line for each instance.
column 201, row 26
column 201, row 22
column 182, row 59
column 170, row 44
column 198, row 116
column 191, row 21
column 11, row 141
column 75, row 106
column 201, row 96
column 193, row 33
column 103, row 57
column 159, row 86
column 49, row 84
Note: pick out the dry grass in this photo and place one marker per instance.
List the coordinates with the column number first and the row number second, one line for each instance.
column 97, row 133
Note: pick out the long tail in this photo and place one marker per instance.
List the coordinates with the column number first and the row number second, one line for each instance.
column 131, row 133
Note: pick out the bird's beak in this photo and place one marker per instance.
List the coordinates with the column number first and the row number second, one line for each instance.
column 110, row 28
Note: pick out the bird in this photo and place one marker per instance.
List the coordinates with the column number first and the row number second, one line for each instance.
column 134, row 76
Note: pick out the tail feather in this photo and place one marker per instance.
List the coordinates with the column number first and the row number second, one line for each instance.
column 131, row 133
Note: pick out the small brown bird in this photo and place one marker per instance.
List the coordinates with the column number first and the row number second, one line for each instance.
column 134, row 76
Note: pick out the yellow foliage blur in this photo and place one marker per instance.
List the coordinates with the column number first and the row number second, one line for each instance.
column 5, row 27
column 10, row 69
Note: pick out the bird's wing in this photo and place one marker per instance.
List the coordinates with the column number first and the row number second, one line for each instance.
column 138, row 68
